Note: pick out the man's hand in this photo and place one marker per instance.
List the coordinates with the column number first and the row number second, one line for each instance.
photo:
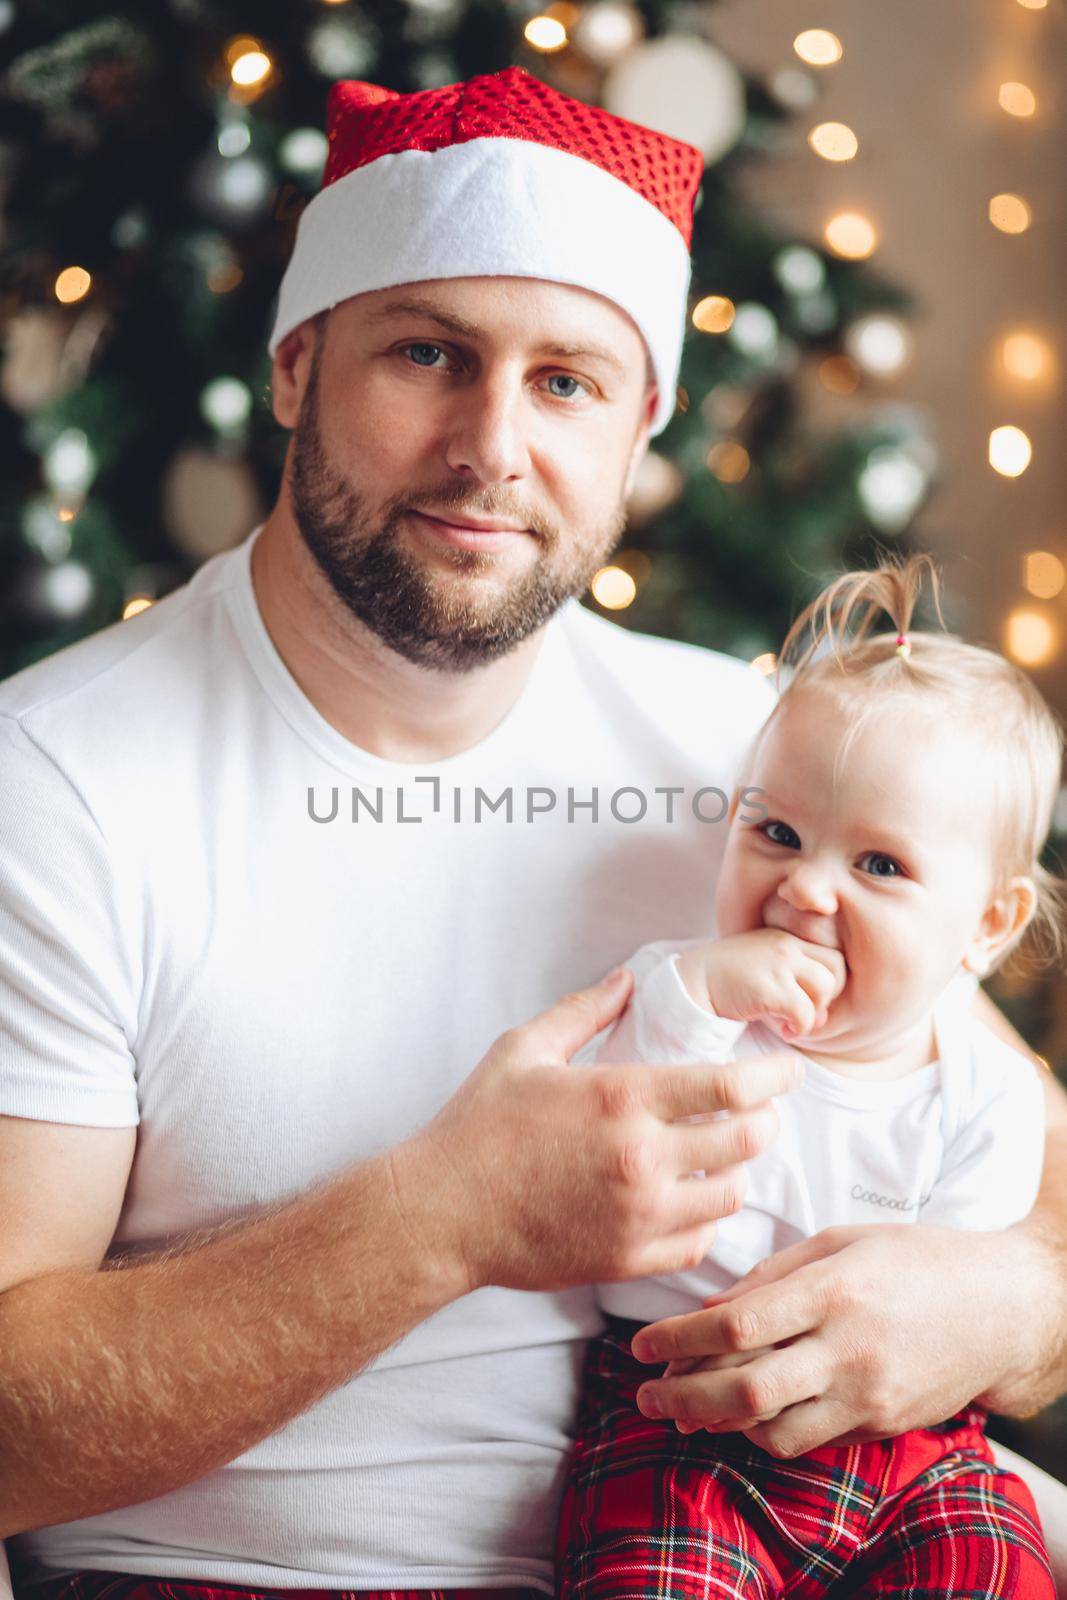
column 546, row 1176
column 857, row 1333
column 766, row 975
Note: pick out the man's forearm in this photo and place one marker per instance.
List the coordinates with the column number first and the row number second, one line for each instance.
column 1039, row 1245
column 120, row 1385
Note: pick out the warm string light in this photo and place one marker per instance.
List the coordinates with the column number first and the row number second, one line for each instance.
column 834, row 141
column 839, row 374
column 250, row 68
column 1025, row 356
column 851, row 235
column 1044, row 574
column 728, row 461
column 134, row 607
column 545, row 33
column 72, row 284
column 1009, row 213
column 1030, row 637
column 1009, row 451
column 818, row 47
column 613, row 588
column 714, row 314
column 1017, row 99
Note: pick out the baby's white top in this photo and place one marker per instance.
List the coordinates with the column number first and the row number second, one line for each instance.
column 958, row 1143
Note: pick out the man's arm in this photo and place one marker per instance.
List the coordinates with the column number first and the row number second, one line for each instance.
column 1043, row 1295
column 120, row 1385
column 1035, row 1257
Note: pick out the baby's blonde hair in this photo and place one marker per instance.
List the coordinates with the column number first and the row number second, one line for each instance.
column 827, row 648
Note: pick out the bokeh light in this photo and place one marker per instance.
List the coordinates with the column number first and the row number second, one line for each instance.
column 818, row 47
column 613, row 588
column 1009, row 451
column 851, row 235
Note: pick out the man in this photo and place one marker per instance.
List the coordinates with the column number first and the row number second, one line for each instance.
column 285, row 860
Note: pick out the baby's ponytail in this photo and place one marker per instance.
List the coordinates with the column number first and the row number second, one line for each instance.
column 893, row 589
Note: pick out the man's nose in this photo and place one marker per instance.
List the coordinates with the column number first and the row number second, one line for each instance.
column 487, row 430
column 808, row 888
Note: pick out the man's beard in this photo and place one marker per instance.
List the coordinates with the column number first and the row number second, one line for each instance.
column 385, row 586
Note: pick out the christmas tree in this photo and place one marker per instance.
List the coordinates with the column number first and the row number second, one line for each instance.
column 154, row 161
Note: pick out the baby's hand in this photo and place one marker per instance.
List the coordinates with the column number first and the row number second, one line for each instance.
column 766, row 975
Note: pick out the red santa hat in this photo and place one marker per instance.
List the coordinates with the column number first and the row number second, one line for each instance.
column 499, row 176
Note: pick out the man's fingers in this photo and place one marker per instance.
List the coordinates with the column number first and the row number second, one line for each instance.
column 762, row 1316
column 711, row 1146
column 676, row 1092
column 697, row 1202
column 783, row 1262
column 803, row 1427
column 556, row 1033
column 728, row 1400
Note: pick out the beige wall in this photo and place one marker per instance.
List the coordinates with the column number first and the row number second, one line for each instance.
column 918, row 84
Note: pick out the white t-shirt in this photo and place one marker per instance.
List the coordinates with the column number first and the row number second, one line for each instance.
column 270, row 998
column 958, row 1143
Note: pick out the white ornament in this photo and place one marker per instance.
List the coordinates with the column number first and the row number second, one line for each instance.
column 32, row 371
column 816, row 313
column 892, row 486
column 794, row 88
column 680, row 85
column 880, row 344
column 799, row 270
column 42, row 529
column 754, row 331
column 338, row 48
column 226, row 403
column 69, row 465
column 66, row 589
column 304, row 151
column 605, row 30
column 434, row 68
column 657, row 484
column 232, row 192
column 210, row 501
column 131, row 229
column 234, row 139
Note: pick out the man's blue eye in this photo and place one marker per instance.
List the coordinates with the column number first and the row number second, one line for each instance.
column 427, row 366
column 435, row 347
column 566, row 378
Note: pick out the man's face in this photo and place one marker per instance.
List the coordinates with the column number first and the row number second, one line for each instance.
column 402, row 413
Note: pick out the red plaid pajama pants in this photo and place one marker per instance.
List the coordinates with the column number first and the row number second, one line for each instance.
column 648, row 1511
column 93, row 1585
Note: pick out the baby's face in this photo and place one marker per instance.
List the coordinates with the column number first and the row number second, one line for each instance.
column 889, row 863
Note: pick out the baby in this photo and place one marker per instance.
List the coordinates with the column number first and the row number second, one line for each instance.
column 883, row 845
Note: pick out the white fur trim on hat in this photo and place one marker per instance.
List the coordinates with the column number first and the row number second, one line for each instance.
column 493, row 207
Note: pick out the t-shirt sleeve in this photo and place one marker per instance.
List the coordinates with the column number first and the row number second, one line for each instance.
column 991, row 1172
column 68, row 980
column 662, row 1023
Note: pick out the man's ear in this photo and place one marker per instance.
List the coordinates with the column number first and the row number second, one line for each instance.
column 1003, row 920
column 290, row 372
